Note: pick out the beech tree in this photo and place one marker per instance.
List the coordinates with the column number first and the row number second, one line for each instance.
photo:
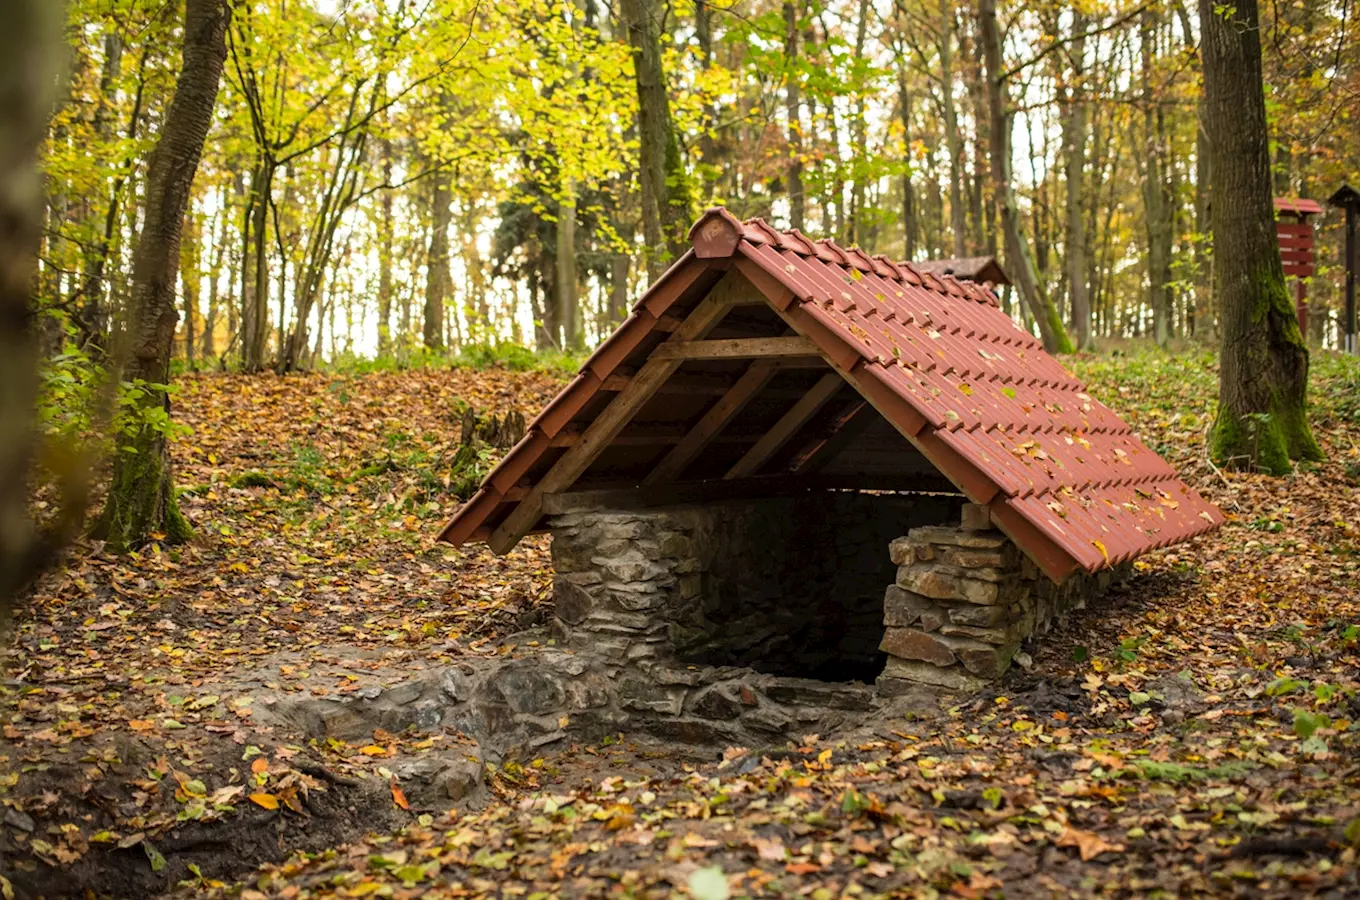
column 1263, row 376
column 141, row 499
column 1019, row 257
column 665, row 185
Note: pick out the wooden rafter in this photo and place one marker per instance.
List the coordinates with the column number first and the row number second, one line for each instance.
column 787, row 425
column 821, row 448
column 715, row 420
column 738, row 348
column 607, row 425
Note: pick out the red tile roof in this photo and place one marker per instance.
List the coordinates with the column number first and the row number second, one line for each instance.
column 1297, row 206
column 1064, row 476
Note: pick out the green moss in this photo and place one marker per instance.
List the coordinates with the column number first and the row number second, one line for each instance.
column 1258, row 442
column 141, row 506
column 1061, row 339
column 252, row 479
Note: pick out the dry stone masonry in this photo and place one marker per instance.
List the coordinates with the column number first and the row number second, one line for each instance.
column 963, row 601
column 724, row 621
column 742, row 623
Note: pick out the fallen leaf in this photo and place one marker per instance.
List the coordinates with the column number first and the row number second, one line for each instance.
column 1088, row 843
column 268, row 801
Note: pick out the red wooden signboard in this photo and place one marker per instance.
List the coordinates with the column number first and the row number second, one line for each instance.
column 1295, row 234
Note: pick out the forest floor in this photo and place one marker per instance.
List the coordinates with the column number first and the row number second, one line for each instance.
column 1195, row 733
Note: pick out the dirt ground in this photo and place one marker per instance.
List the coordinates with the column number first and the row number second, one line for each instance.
column 1193, row 734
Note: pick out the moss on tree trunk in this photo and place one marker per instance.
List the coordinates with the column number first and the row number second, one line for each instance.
column 1263, row 376
column 142, row 505
column 1263, row 405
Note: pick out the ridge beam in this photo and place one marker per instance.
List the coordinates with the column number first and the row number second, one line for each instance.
column 737, row 348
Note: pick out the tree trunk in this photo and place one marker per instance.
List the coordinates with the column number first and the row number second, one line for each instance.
column 92, row 313
column 566, row 272
column 1155, row 200
column 618, row 289
column 1263, row 375
column 209, row 341
column 255, row 299
column 953, row 140
column 141, row 502
column 910, row 225
column 437, row 278
column 1019, row 261
column 1202, row 318
column 857, row 222
column 30, row 54
column 192, row 280
column 792, row 105
column 665, row 185
column 1074, row 151
column 385, row 230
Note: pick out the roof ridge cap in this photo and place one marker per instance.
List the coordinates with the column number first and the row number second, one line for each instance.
column 716, row 233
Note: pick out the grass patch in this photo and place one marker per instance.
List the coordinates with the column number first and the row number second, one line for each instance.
column 506, row 355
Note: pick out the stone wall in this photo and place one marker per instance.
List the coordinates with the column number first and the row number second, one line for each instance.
column 963, row 600
column 787, row 586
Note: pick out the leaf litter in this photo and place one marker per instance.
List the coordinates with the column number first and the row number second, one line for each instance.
column 1192, row 734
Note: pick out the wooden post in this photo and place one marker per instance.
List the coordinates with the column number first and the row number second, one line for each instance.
column 1348, row 198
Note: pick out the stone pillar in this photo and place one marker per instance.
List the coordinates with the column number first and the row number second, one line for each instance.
column 617, row 572
column 963, row 601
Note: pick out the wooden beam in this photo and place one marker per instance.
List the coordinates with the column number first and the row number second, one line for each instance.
column 636, row 436
column 618, row 496
column 822, row 447
column 737, row 348
column 785, row 428
column 610, row 421
column 714, row 421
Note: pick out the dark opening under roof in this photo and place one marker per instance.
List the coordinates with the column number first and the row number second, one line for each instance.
column 763, row 362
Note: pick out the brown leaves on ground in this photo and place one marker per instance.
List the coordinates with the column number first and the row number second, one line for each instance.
column 1193, row 734
column 315, row 501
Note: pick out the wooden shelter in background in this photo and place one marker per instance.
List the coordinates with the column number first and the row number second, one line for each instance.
column 979, row 269
column 1295, row 234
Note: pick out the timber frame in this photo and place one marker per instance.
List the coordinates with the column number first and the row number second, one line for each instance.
column 763, row 364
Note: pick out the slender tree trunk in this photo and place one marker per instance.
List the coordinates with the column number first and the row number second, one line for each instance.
column 793, row 171
column 953, row 139
column 1074, row 151
column 910, row 213
column 209, row 341
column 1019, row 261
column 618, row 289
column 567, row 303
column 858, row 225
column 1155, row 200
column 141, row 502
column 192, row 280
column 255, row 304
column 665, row 185
column 437, row 278
column 385, row 229
column 96, row 258
column 1202, row 319
column 1263, row 375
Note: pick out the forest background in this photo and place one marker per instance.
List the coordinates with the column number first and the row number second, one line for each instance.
column 399, row 179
